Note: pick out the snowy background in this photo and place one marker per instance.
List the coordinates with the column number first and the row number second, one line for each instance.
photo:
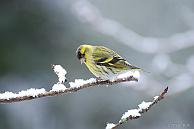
column 155, row 35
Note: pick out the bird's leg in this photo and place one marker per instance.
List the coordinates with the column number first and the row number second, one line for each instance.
column 98, row 79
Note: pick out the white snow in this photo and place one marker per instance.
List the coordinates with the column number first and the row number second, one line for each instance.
column 132, row 112
column 61, row 72
column 7, row 95
column 126, row 74
column 134, row 73
column 29, row 92
column 81, row 82
column 136, row 112
column 58, row 87
column 144, row 105
column 156, row 97
column 110, row 125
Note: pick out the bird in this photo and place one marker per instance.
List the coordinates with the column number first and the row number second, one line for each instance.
column 103, row 62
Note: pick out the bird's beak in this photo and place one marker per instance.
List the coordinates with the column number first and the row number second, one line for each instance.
column 82, row 60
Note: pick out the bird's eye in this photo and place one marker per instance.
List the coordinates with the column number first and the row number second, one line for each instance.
column 79, row 55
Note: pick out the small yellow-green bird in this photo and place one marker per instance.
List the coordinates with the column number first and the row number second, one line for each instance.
column 103, row 62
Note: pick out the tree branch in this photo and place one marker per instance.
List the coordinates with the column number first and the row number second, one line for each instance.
column 59, row 88
column 137, row 113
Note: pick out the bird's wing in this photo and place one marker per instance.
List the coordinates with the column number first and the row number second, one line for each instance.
column 106, row 57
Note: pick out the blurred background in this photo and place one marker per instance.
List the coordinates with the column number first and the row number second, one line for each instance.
column 157, row 35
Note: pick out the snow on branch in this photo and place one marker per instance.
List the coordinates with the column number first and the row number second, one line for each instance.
column 59, row 88
column 61, row 72
column 137, row 113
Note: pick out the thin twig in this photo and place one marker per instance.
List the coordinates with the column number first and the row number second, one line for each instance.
column 141, row 111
